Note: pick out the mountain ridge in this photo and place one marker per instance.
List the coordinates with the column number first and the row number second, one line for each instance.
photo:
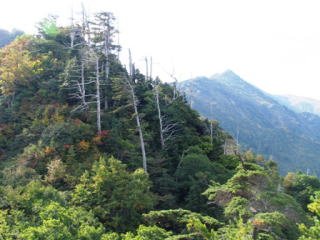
column 257, row 119
column 299, row 104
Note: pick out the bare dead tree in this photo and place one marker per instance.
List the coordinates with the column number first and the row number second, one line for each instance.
column 78, row 86
column 225, row 146
column 93, row 58
column 118, row 41
column 107, row 33
column 151, row 67
column 130, row 82
column 86, row 30
column 156, row 90
column 175, row 83
column 72, row 33
column 98, row 96
column 211, row 124
column 93, row 41
column 79, row 65
column 147, row 68
column 167, row 129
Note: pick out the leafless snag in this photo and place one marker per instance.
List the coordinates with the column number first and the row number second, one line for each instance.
column 167, row 129
column 130, row 82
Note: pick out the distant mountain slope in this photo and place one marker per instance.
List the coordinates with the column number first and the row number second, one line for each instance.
column 6, row 37
column 258, row 120
column 299, row 104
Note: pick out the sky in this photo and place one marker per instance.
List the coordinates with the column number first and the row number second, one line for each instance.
column 273, row 44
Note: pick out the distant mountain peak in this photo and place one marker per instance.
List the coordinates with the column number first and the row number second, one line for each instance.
column 230, row 73
column 229, row 77
column 258, row 120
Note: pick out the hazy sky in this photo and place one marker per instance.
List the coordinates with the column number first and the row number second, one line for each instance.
column 273, row 44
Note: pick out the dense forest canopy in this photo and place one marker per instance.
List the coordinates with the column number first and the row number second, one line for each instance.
column 90, row 149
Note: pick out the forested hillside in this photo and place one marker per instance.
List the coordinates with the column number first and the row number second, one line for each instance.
column 91, row 149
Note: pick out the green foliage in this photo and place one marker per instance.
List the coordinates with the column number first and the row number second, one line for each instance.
column 194, row 173
column 142, row 233
column 146, row 233
column 57, row 222
column 301, row 187
column 276, row 224
column 18, row 175
column 280, row 200
column 176, row 220
column 197, row 226
column 116, row 196
column 60, row 181
column 238, row 207
column 32, row 197
column 17, row 66
column 241, row 183
column 238, row 230
column 313, row 232
column 48, row 27
column 5, row 228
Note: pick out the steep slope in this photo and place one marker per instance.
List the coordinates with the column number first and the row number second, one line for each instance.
column 299, row 104
column 257, row 120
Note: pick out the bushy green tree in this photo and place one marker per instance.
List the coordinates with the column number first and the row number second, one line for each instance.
column 176, row 220
column 57, row 222
column 234, row 231
column 117, row 197
column 313, row 232
column 301, row 187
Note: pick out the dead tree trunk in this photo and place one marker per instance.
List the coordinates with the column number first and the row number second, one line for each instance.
column 98, row 96
column 72, row 33
column 83, row 88
column 85, row 25
column 167, row 129
column 159, row 116
column 211, row 132
column 225, row 146
column 147, row 69
column 211, row 125
column 135, row 106
column 75, row 74
column 107, row 53
column 151, row 63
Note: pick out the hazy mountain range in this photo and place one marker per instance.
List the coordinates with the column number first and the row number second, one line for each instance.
column 299, row 104
column 285, row 128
